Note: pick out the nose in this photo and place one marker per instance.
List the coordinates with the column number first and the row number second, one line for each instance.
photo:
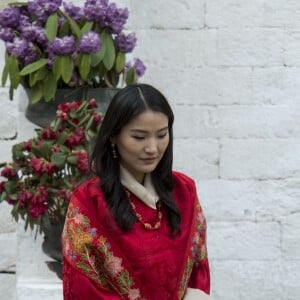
column 151, row 147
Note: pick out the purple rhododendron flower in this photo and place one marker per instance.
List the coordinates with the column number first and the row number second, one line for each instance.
column 89, row 43
column 75, row 12
column 126, row 43
column 18, row 47
column 95, row 10
column 139, row 66
column 9, row 17
column 63, row 46
column 22, row 49
column 6, row 34
column 116, row 18
column 42, row 9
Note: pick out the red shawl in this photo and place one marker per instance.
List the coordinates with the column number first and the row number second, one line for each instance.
column 102, row 262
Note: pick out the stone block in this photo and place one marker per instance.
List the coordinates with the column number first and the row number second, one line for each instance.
column 8, row 287
column 196, row 158
column 244, row 240
column 246, row 47
column 249, row 200
column 8, row 252
column 260, row 158
column 291, row 53
column 290, row 279
column 247, row 280
column 8, row 116
column 165, row 15
column 156, row 48
column 234, row 13
column 7, row 224
column 238, row 121
column 290, row 235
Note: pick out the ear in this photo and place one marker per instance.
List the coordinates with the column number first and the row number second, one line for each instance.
column 112, row 139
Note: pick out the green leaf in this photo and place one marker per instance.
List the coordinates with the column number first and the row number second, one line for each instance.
column 57, row 67
column 35, row 93
column 120, row 62
column 58, row 159
column 4, row 74
column 50, row 87
column 34, row 66
column 11, row 187
column 64, row 29
column 87, row 27
column 85, row 65
column 66, row 68
column 75, row 28
column 110, row 53
column 131, row 76
column 37, row 76
column 14, row 72
column 51, row 27
column 62, row 138
column 44, row 151
column 98, row 56
column 72, row 160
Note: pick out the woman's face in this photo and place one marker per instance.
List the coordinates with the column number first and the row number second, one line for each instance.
column 143, row 142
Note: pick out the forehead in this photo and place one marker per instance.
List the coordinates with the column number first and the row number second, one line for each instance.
column 149, row 119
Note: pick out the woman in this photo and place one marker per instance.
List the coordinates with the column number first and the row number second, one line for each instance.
column 135, row 230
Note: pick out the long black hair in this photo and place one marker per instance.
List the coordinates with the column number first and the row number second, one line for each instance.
column 127, row 104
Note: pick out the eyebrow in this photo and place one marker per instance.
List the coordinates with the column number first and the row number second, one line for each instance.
column 144, row 131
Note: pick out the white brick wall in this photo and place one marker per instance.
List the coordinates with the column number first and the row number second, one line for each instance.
column 230, row 70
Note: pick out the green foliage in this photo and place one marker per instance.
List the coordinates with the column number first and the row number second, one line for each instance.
column 50, row 71
column 48, row 167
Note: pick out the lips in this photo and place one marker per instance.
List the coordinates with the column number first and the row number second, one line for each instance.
column 149, row 159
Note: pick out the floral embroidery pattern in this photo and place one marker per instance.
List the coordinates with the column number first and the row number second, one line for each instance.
column 185, row 278
column 198, row 249
column 92, row 254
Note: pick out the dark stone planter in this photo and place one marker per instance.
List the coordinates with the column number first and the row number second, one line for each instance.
column 52, row 244
column 43, row 113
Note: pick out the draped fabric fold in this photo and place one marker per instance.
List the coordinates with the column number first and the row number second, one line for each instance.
column 103, row 262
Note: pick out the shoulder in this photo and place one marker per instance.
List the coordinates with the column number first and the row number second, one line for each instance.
column 184, row 186
column 88, row 188
column 181, row 179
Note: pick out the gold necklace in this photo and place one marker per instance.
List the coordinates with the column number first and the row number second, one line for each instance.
column 146, row 225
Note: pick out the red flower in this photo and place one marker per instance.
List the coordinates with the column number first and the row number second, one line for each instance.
column 24, row 198
column 97, row 118
column 48, row 134
column 8, row 172
column 56, row 149
column 62, row 115
column 64, row 108
column 76, row 138
column 92, row 103
column 82, row 160
column 2, row 186
column 41, row 166
column 27, row 145
column 36, row 210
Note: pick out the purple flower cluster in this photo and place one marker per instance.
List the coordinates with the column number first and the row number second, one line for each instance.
column 126, row 43
column 22, row 49
column 106, row 15
column 9, row 17
column 22, row 28
column 75, row 12
column 43, row 8
column 89, row 43
column 63, row 46
column 138, row 65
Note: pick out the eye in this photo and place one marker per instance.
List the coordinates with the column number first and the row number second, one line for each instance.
column 161, row 136
column 139, row 138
